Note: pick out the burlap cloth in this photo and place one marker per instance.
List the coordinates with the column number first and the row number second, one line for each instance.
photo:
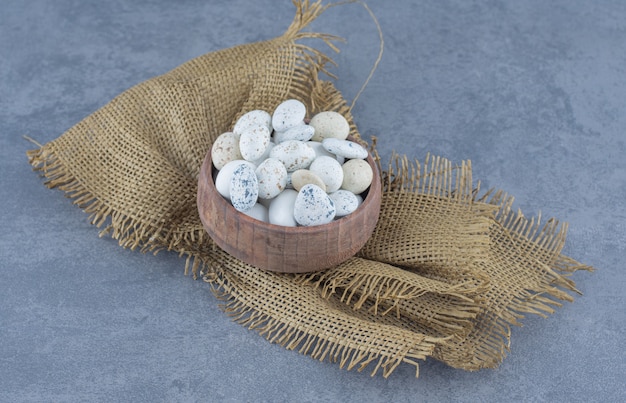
column 445, row 274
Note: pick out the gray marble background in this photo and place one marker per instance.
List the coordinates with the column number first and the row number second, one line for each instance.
column 532, row 92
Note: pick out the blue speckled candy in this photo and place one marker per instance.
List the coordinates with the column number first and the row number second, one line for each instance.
column 224, row 176
column 244, row 188
column 313, row 206
column 300, row 132
column 345, row 202
column 344, row 148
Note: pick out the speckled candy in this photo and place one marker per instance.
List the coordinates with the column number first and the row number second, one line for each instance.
column 294, row 154
column 253, row 119
column 345, row 201
column 244, row 188
column 253, row 142
column 344, row 148
column 265, row 155
column 301, row 132
column 272, row 177
column 225, row 149
column 288, row 114
column 222, row 180
column 313, row 206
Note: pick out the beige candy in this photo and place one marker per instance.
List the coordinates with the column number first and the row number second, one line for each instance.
column 329, row 124
column 357, row 176
column 303, row 177
column 225, row 149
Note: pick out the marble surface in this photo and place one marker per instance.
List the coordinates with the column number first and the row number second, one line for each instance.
column 532, row 92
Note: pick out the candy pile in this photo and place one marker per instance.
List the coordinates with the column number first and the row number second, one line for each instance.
column 279, row 169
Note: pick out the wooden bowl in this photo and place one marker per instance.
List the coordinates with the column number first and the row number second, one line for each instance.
column 285, row 249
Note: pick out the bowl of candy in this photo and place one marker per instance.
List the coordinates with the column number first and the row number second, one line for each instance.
column 289, row 195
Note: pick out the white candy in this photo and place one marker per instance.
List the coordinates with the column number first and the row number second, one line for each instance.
column 272, row 177
column 329, row 170
column 345, row 148
column 253, row 142
column 222, row 180
column 294, row 154
column 253, row 119
column 281, row 209
column 345, row 202
column 301, row 132
column 330, row 125
column 313, row 206
column 225, row 149
column 357, row 176
column 288, row 114
column 244, row 188
column 259, row 212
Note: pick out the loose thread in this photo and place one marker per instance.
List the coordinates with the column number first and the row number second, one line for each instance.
column 32, row 140
column 380, row 51
column 378, row 58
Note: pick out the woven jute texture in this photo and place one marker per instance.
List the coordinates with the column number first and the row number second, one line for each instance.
column 445, row 274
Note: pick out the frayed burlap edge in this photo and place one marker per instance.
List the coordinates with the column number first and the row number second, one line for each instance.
column 518, row 269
